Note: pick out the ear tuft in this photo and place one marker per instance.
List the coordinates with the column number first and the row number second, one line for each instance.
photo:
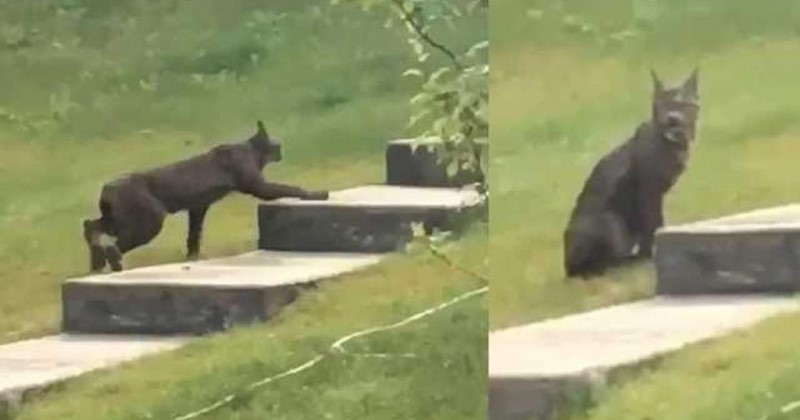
column 658, row 86
column 260, row 127
column 690, row 85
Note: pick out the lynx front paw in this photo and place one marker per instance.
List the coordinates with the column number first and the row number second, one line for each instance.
column 316, row 195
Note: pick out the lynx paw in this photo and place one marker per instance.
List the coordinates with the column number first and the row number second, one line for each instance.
column 316, row 195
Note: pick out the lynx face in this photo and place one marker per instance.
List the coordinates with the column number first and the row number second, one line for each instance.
column 268, row 149
column 675, row 110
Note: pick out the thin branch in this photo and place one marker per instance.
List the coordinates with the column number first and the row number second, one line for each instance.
column 422, row 33
column 444, row 258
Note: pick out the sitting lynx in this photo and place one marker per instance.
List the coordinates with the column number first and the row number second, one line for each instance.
column 621, row 205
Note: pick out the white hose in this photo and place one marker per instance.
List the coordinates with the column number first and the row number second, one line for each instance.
column 338, row 347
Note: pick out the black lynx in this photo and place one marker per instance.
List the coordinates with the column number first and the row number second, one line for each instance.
column 133, row 207
column 621, row 204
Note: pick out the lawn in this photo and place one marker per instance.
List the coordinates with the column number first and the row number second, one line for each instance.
column 750, row 375
column 94, row 89
column 445, row 378
column 570, row 80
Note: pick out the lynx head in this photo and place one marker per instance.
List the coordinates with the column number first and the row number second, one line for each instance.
column 267, row 149
column 675, row 110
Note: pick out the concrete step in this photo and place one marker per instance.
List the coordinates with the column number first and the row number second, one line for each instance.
column 373, row 219
column 536, row 369
column 198, row 297
column 32, row 365
column 416, row 162
column 752, row 252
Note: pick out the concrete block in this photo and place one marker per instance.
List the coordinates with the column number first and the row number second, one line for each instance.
column 416, row 162
column 370, row 219
column 33, row 365
column 753, row 252
column 540, row 369
column 197, row 298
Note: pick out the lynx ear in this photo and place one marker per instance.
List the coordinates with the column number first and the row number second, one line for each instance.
column 658, row 86
column 690, row 85
column 260, row 128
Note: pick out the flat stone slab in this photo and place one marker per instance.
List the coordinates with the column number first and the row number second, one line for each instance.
column 198, row 297
column 371, row 219
column 753, row 252
column 35, row 364
column 535, row 369
column 416, row 162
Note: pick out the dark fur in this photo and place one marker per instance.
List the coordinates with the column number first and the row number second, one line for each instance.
column 621, row 204
column 133, row 207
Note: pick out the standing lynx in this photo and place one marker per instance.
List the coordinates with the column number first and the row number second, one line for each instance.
column 133, row 207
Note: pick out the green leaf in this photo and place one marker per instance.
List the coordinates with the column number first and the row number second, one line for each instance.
column 435, row 76
column 418, row 116
column 420, row 97
column 477, row 47
column 413, row 72
column 452, row 168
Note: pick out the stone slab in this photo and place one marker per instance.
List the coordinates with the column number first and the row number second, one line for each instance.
column 416, row 162
column 198, row 297
column 32, row 365
column 752, row 252
column 371, row 219
column 534, row 369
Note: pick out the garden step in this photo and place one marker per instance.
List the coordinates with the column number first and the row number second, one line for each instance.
column 372, row 219
column 31, row 365
column 198, row 297
column 416, row 162
column 757, row 251
column 537, row 369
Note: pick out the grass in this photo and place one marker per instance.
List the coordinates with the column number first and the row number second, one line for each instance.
column 444, row 381
column 94, row 89
column 570, row 81
column 750, row 375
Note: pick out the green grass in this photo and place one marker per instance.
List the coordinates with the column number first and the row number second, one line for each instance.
column 444, row 381
column 94, row 89
column 749, row 376
column 570, row 81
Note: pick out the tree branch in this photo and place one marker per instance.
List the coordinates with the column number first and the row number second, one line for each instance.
column 422, row 33
column 444, row 258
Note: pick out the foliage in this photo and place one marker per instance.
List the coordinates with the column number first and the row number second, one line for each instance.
column 453, row 100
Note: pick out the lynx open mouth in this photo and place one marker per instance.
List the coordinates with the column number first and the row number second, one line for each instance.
column 676, row 137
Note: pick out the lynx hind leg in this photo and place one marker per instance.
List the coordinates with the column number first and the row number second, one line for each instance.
column 97, row 255
column 620, row 242
column 114, row 257
column 102, row 246
column 97, row 258
column 584, row 252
